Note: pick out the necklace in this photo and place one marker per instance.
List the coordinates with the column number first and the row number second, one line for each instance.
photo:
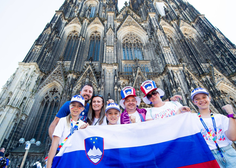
column 72, row 129
column 209, row 133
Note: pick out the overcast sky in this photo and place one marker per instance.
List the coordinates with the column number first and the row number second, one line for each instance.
column 22, row 21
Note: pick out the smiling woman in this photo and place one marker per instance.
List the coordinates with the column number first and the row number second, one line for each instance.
column 96, row 113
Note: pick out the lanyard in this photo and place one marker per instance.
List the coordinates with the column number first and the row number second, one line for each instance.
column 72, row 129
column 209, row 133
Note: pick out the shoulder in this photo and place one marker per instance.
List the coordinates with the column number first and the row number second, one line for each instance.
column 221, row 116
column 87, row 106
column 141, row 110
column 62, row 121
column 124, row 114
column 64, row 110
column 176, row 103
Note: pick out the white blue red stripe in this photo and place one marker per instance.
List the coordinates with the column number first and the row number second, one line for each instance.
column 170, row 142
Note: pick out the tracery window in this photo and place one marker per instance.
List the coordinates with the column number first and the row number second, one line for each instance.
column 128, row 68
column 92, row 11
column 144, row 68
column 71, row 47
column 132, row 47
column 94, row 47
column 48, row 109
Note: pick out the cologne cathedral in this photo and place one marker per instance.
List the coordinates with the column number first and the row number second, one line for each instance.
column 91, row 41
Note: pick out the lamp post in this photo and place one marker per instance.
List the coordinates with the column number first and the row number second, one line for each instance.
column 27, row 147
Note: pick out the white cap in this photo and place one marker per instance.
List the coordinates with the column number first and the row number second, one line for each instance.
column 78, row 98
column 197, row 91
column 112, row 106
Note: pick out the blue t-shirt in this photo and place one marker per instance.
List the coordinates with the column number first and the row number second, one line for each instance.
column 65, row 110
column 6, row 163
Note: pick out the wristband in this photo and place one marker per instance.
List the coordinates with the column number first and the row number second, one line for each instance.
column 231, row 116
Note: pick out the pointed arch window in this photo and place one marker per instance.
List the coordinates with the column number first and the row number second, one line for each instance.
column 92, row 11
column 48, row 109
column 71, row 47
column 132, row 47
column 94, row 47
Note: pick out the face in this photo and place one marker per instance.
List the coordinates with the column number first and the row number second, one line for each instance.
column 76, row 108
column 130, row 103
column 87, row 92
column 2, row 150
column 202, row 101
column 97, row 103
column 112, row 116
column 153, row 96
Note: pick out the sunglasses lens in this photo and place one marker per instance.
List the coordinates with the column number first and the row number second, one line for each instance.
column 153, row 93
column 149, row 96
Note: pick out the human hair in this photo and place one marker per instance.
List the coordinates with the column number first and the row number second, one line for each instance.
column 87, row 84
column 7, row 154
column 91, row 112
column 68, row 120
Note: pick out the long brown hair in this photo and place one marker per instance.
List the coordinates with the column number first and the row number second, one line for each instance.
column 91, row 112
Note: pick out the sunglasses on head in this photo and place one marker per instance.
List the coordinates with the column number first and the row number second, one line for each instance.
column 150, row 94
column 97, row 96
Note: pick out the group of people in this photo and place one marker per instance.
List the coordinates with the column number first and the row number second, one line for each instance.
column 79, row 114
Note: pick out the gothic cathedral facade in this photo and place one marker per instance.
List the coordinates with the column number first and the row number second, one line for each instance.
column 167, row 41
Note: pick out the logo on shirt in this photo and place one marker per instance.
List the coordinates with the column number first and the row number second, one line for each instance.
column 220, row 135
column 94, row 149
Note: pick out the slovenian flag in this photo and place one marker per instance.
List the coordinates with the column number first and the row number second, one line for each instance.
column 164, row 143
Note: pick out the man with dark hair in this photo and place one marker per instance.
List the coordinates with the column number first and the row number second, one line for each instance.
column 86, row 92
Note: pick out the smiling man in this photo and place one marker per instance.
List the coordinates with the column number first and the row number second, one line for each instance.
column 130, row 102
column 86, row 92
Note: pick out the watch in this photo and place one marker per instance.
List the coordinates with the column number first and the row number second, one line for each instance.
column 231, row 116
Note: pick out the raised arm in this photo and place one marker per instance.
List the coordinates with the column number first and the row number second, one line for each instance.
column 231, row 132
column 174, row 98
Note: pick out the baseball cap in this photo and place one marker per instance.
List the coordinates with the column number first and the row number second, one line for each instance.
column 197, row 91
column 112, row 106
column 78, row 98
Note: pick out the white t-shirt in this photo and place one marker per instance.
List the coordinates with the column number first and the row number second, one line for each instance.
column 222, row 123
column 62, row 129
column 95, row 121
column 137, row 117
column 169, row 109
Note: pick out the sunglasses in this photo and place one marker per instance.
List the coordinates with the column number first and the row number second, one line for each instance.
column 153, row 93
column 97, row 96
